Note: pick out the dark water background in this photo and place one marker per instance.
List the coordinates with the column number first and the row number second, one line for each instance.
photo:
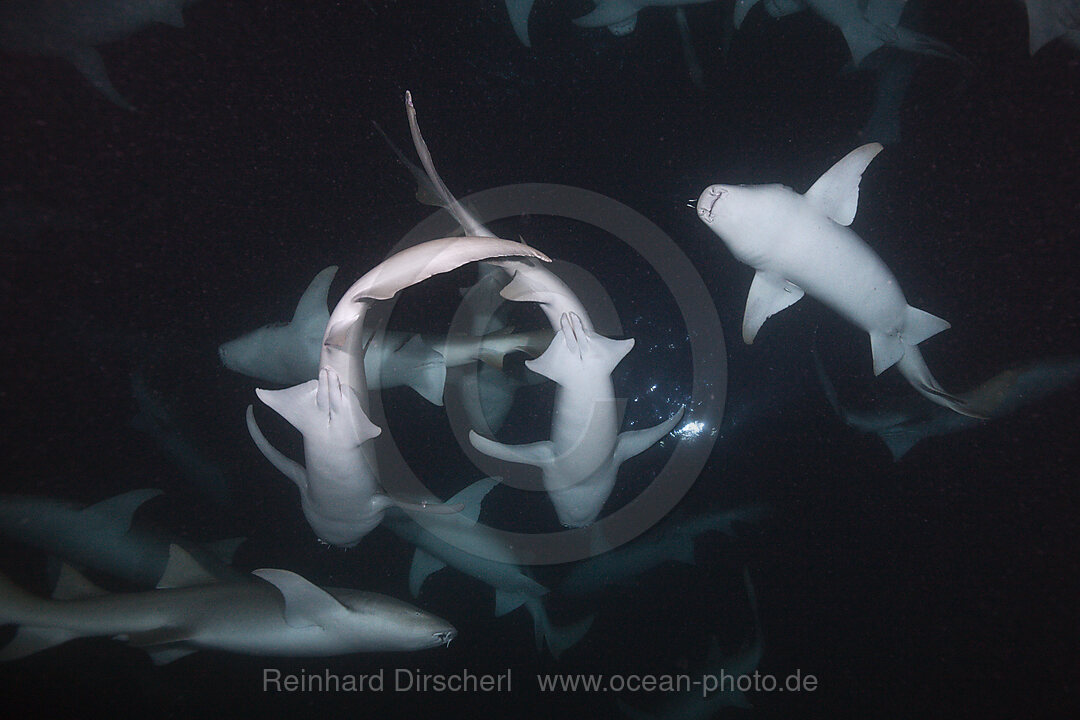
column 941, row 586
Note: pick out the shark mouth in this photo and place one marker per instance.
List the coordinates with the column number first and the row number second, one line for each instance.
column 707, row 202
column 444, row 638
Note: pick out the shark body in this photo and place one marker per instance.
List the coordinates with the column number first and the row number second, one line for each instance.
column 801, row 244
column 277, row 613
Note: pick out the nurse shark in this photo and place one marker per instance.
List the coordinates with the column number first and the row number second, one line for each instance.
column 276, row 613
column 71, row 29
column 802, row 244
column 581, row 460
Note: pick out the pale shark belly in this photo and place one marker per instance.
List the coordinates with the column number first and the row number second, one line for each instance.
column 834, row 266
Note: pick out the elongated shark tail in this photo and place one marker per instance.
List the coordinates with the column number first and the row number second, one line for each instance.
column 913, row 368
column 18, row 606
column 557, row 639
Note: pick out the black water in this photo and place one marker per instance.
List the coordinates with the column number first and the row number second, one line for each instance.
column 940, row 586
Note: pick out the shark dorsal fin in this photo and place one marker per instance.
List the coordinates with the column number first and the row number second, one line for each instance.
column 472, row 496
column 119, row 510
column 836, row 193
column 312, row 305
column 306, row 604
column 182, row 570
column 72, row 585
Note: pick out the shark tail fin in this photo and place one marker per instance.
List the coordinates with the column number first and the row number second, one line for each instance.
column 15, row 603
column 557, row 639
column 31, row 640
column 17, row 606
column 913, row 368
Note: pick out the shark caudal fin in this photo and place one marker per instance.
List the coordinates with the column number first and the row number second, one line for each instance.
column 18, row 606
column 557, row 639
column 913, row 368
column 918, row 326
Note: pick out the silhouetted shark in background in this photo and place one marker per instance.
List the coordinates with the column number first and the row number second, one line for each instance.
column 71, row 29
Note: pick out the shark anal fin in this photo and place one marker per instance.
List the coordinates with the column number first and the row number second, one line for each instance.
column 769, row 294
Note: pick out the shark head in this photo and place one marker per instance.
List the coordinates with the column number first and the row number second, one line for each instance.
column 404, row 626
column 742, row 215
column 246, row 354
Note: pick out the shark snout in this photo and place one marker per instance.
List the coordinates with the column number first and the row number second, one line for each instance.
column 445, row 637
column 707, row 202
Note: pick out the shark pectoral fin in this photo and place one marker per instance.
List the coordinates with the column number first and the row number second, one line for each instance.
column 30, row 640
column 836, row 193
column 182, row 570
column 537, row 454
column 472, row 497
column 519, row 11
column 507, row 601
column 72, row 585
column 119, row 510
column 88, row 61
column 423, row 564
column 635, row 442
column 166, row 655
column 769, row 294
column 312, row 310
column 296, row 404
column 742, row 7
column 920, row 325
column 290, row 468
column 887, row 351
column 305, row 603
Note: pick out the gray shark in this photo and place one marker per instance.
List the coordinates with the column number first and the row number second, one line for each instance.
column 288, row 354
column 71, row 29
column 901, row 424
column 672, row 541
column 865, row 25
column 276, row 613
column 463, row 544
column 101, row 537
column 801, row 244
